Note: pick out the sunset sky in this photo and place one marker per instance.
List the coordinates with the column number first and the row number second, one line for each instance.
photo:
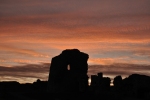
column 115, row 34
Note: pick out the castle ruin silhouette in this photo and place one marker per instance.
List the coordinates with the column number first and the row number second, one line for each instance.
column 68, row 72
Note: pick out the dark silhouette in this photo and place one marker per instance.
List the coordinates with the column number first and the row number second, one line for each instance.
column 138, row 85
column 118, row 83
column 72, row 79
column 68, row 80
column 100, row 84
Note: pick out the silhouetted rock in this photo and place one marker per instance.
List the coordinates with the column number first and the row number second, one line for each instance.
column 72, row 79
column 94, row 81
column 118, row 83
column 9, row 86
column 138, row 85
column 99, row 84
column 40, row 85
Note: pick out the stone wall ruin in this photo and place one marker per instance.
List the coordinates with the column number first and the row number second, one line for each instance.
column 68, row 72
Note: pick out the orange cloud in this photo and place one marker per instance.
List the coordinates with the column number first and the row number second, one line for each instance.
column 22, row 51
column 76, row 26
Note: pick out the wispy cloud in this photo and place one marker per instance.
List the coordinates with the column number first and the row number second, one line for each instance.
column 20, row 51
column 32, row 72
column 119, row 69
column 113, row 20
column 29, row 71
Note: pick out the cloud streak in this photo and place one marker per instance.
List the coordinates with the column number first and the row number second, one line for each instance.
column 119, row 69
column 23, row 73
column 32, row 72
column 22, row 51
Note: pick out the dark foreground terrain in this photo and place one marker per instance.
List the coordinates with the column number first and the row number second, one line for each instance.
column 134, row 87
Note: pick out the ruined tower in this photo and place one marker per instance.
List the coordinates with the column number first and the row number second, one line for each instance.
column 68, row 72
